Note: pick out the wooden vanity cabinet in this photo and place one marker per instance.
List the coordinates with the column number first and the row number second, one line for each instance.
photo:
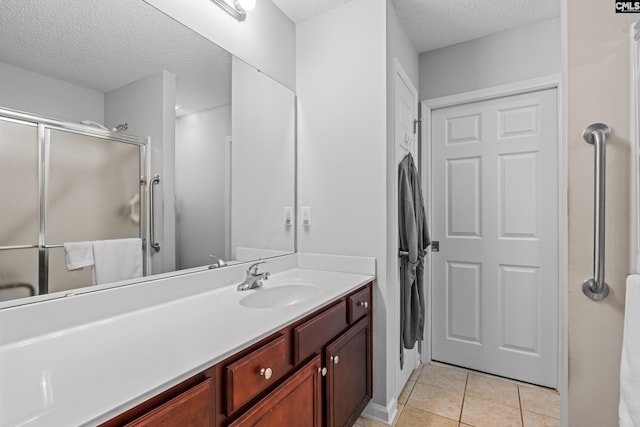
column 310, row 337
column 256, row 372
column 295, row 403
column 315, row 372
column 191, row 408
column 330, row 389
column 349, row 384
column 189, row 403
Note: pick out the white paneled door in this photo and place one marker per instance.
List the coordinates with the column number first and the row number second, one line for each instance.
column 405, row 112
column 495, row 214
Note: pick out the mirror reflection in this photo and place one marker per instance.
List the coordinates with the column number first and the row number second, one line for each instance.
column 95, row 103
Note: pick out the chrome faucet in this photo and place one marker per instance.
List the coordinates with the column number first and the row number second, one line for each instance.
column 217, row 262
column 253, row 279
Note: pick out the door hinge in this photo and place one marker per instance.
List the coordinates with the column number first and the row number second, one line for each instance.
column 416, row 122
column 435, row 246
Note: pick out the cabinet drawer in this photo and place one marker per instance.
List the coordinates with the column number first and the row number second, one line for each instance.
column 312, row 335
column 296, row 402
column 193, row 407
column 255, row 372
column 359, row 304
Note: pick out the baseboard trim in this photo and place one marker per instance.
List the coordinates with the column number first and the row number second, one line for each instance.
column 383, row 414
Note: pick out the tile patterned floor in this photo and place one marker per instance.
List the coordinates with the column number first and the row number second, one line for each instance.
column 444, row 396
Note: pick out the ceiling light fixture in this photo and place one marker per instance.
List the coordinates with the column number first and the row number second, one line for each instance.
column 236, row 8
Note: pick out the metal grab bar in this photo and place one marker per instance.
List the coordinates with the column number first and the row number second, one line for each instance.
column 597, row 134
column 152, row 229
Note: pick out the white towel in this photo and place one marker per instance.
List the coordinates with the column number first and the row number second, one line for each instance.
column 629, row 409
column 117, row 260
column 78, row 254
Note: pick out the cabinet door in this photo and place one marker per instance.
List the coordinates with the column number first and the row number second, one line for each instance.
column 191, row 408
column 349, row 375
column 295, row 403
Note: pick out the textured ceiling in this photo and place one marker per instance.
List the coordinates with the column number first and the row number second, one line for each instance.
column 104, row 45
column 436, row 23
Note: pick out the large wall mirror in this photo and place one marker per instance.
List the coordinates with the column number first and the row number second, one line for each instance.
column 96, row 95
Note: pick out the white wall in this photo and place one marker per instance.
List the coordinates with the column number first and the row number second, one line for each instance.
column 200, row 190
column 263, row 162
column 342, row 147
column 400, row 48
column 598, row 90
column 266, row 39
column 30, row 92
column 148, row 106
column 507, row 57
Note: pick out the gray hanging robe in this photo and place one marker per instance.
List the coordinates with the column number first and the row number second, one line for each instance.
column 414, row 240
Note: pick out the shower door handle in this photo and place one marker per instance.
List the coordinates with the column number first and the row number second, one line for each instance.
column 152, row 213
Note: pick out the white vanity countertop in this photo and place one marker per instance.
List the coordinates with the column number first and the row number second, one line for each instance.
column 87, row 373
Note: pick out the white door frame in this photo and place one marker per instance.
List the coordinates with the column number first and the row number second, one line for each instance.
column 428, row 105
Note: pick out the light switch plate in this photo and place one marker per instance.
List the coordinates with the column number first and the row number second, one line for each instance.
column 305, row 212
column 287, row 215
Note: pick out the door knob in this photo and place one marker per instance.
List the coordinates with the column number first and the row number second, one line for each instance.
column 322, row 371
column 335, row 359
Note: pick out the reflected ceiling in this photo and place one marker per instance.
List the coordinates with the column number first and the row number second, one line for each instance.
column 125, row 34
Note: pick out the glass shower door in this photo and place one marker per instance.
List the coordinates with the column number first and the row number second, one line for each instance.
column 19, row 209
column 93, row 193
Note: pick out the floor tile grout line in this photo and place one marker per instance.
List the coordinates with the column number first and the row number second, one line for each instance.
column 438, row 387
column 534, row 410
column 541, row 414
column 520, row 404
column 518, row 385
column 431, row 385
column 409, row 394
column 497, row 402
column 493, row 399
column 464, row 395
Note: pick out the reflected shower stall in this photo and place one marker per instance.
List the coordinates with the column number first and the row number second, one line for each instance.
column 63, row 182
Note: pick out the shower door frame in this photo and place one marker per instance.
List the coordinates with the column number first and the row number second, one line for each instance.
column 44, row 126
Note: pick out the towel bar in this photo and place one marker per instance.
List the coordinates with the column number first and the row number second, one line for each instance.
column 597, row 134
column 14, row 247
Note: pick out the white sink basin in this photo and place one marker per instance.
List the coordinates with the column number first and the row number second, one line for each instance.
column 280, row 296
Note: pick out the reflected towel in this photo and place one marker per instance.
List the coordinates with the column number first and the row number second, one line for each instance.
column 629, row 409
column 117, row 260
column 78, row 254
